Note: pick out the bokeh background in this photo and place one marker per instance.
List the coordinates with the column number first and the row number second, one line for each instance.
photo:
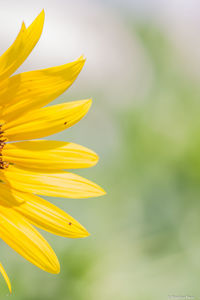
column 143, row 72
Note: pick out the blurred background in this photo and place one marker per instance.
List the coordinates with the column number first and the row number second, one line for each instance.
column 143, row 73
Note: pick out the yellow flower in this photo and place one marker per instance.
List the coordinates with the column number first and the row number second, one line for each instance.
column 31, row 168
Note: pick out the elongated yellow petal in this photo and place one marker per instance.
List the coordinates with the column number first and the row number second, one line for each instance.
column 46, row 121
column 47, row 216
column 32, row 90
column 5, row 276
column 41, row 213
column 49, row 155
column 9, row 58
column 21, row 48
column 26, row 240
column 58, row 184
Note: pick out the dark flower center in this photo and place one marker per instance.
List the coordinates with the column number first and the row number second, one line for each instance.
column 3, row 164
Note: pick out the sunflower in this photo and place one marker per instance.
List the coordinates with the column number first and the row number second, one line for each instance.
column 31, row 166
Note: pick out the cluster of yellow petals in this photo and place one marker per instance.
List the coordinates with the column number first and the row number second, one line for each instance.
column 31, row 168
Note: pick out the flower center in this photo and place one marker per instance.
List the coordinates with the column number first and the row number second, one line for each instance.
column 3, row 164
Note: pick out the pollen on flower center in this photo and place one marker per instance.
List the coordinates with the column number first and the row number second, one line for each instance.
column 3, row 164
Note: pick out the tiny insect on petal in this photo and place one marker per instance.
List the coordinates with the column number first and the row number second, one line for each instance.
column 46, row 121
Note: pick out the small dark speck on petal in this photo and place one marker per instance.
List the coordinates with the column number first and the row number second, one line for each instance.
column 65, row 123
column 70, row 223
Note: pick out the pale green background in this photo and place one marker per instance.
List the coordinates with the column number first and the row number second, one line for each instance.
column 142, row 70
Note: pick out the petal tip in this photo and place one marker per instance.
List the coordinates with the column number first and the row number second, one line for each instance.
column 88, row 234
column 84, row 105
column 82, row 58
column 39, row 20
column 98, row 191
column 42, row 14
column 101, row 191
column 23, row 27
column 10, row 289
column 88, row 103
column 95, row 160
column 5, row 276
column 84, row 232
column 78, row 230
column 55, row 268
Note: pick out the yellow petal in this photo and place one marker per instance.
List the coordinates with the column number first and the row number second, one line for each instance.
column 44, row 154
column 32, row 90
column 21, row 48
column 58, row 184
column 41, row 213
column 47, row 216
column 26, row 240
column 8, row 60
column 7, row 197
column 5, row 276
column 46, row 121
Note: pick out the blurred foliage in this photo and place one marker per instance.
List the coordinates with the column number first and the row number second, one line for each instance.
column 145, row 232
